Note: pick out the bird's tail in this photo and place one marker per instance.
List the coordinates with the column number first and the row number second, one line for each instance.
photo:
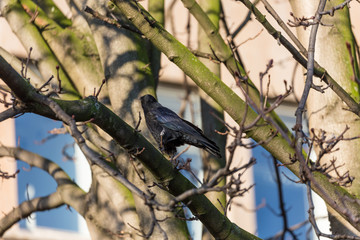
column 211, row 147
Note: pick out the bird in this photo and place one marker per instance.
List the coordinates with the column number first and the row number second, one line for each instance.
column 171, row 131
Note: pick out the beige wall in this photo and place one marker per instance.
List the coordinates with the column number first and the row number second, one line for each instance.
column 8, row 187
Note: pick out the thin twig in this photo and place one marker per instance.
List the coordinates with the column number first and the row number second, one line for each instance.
column 114, row 22
column 58, row 78
column 45, row 84
column 282, row 203
column 244, row 22
column 338, row 7
column 98, row 92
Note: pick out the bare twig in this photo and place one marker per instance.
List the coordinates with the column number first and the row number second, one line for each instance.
column 308, row 83
column 338, row 7
column 58, row 78
column 25, row 68
column 230, row 37
column 114, row 22
column 6, row 175
column 208, row 56
column 45, row 84
column 183, row 151
column 250, row 38
column 138, row 123
column 244, row 22
column 187, row 167
column 98, row 92
column 303, row 21
column 282, row 203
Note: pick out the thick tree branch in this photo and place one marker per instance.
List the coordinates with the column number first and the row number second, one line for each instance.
column 26, row 208
column 82, row 65
column 9, row 113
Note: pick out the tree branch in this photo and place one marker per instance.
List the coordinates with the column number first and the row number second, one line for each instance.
column 26, row 208
column 10, row 113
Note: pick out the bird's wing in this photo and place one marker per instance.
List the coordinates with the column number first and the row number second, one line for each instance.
column 172, row 121
column 189, row 133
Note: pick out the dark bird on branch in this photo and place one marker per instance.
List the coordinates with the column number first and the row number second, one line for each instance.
column 171, row 131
